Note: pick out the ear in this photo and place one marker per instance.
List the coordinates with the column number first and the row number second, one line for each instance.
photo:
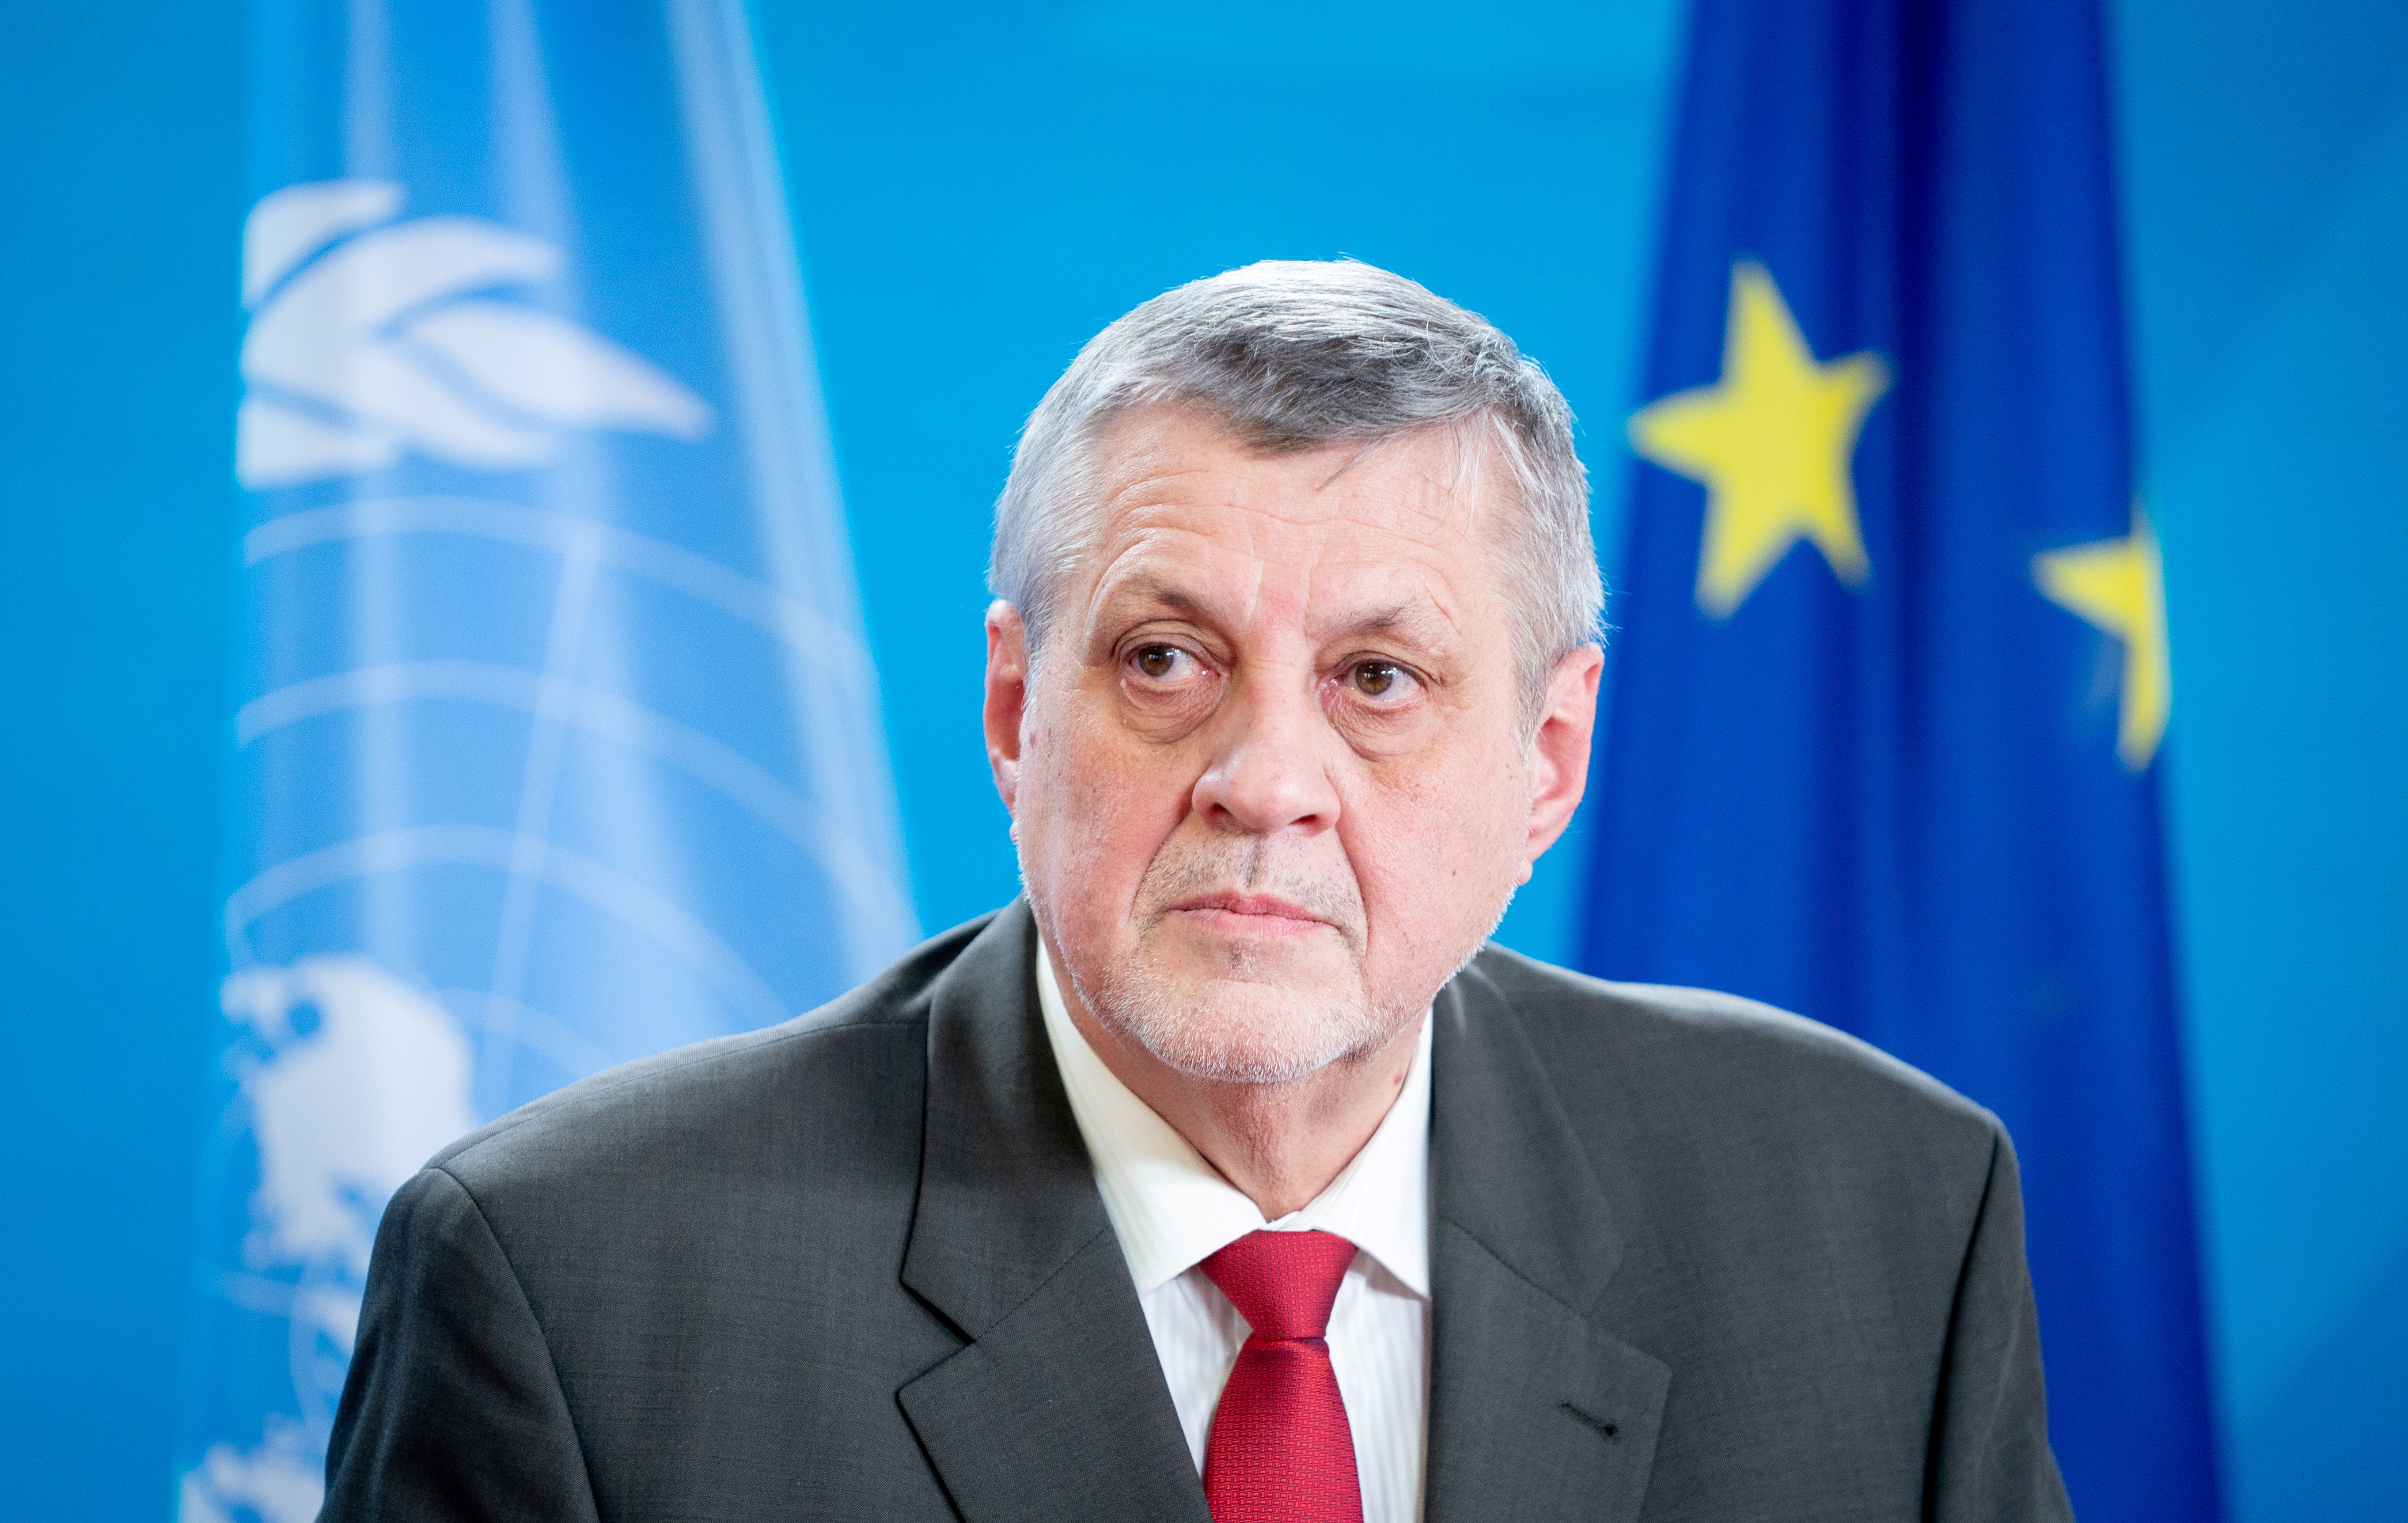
column 1006, row 696
column 1559, row 749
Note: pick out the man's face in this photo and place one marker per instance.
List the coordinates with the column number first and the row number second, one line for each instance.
column 1271, row 781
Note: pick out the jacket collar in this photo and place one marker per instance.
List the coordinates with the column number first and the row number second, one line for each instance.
column 1056, row 1408
column 1535, row 1412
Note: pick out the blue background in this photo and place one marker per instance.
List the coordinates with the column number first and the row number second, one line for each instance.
column 978, row 193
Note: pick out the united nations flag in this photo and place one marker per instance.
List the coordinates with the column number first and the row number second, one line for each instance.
column 1890, row 694
column 557, row 740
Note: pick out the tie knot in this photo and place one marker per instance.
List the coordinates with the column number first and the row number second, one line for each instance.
column 1282, row 1283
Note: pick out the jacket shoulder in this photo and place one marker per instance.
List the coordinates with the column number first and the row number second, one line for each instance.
column 805, row 1079
column 1735, row 1063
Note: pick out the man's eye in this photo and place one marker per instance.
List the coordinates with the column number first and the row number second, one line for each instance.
column 1378, row 679
column 1159, row 662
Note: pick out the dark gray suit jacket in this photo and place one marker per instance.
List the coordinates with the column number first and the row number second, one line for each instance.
column 1690, row 1258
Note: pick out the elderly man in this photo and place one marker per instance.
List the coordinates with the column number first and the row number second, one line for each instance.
column 1229, row 1174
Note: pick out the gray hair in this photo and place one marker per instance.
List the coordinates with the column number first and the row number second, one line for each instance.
column 1293, row 355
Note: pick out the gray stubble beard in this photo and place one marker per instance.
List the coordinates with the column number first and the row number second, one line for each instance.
column 1173, row 1020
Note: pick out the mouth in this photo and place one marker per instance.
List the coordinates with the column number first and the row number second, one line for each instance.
column 1231, row 913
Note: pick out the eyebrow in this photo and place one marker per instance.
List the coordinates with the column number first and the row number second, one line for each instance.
column 1150, row 589
column 1417, row 619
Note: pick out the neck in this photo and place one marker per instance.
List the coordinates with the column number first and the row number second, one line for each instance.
column 1281, row 1144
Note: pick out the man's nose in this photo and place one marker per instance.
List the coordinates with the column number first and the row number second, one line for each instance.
column 1270, row 768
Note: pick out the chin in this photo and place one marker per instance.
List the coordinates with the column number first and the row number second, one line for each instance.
column 1226, row 1031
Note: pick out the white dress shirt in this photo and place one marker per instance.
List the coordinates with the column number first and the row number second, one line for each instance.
column 1173, row 1211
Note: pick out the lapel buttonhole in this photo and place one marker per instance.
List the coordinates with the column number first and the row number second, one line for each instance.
column 1609, row 1431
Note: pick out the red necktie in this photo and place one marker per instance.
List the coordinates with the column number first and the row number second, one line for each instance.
column 1280, row 1451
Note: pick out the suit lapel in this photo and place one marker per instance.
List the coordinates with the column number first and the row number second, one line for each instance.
column 1057, row 1407
column 1535, row 1413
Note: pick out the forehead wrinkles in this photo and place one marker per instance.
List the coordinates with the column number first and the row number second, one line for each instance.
column 1327, row 592
column 1146, row 568
column 1161, row 454
column 1338, row 536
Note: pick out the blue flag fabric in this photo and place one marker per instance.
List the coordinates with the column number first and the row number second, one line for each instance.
column 1890, row 686
column 558, row 743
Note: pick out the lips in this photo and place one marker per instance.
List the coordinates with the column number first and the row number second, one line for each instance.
column 1257, row 912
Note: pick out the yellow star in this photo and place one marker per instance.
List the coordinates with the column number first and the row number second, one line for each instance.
column 2120, row 586
column 1772, row 441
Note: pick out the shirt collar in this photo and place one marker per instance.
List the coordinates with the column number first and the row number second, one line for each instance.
column 1172, row 1210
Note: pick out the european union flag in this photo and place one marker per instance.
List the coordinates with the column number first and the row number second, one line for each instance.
column 1890, row 691
column 557, row 740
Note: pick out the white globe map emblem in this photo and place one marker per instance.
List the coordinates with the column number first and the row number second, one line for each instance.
column 366, row 1078
column 371, row 337
column 429, row 346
